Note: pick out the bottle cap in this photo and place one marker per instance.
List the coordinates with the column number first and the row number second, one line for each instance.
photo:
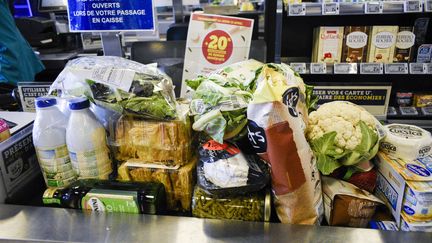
column 43, row 102
column 79, row 103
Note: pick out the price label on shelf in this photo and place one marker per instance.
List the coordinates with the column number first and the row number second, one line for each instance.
column 408, row 111
column 428, row 68
column 428, row 6
column 374, row 7
column 426, row 111
column 297, row 9
column 417, row 68
column 396, row 68
column 413, row 6
column 330, row 8
column 371, row 68
column 318, row 68
column 299, row 67
column 345, row 68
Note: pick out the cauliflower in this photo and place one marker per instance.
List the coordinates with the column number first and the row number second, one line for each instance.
column 342, row 133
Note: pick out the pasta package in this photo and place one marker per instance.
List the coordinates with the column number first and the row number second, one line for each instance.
column 178, row 181
column 163, row 142
column 276, row 129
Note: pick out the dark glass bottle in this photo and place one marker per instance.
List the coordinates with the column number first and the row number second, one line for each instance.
column 110, row 196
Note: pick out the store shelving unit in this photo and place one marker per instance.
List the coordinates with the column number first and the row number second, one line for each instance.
column 356, row 8
column 292, row 41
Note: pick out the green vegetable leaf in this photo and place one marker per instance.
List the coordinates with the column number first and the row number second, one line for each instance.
column 326, row 165
column 350, row 171
column 311, row 99
column 325, row 151
column 366, row 149
column 194, row 83
column 212, row 123
column 236, row 122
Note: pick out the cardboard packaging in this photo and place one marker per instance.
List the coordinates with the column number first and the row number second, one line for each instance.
column 424, row 53
column 327, row 44
column 355, row 44
column 405, row 187
column 19, row 168
column 405, row 41
column 382, row 40
column 346, row 204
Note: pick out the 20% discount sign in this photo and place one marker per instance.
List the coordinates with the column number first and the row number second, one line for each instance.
column 217, row 47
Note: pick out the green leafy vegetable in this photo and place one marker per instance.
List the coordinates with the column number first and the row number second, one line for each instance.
column 325, row 151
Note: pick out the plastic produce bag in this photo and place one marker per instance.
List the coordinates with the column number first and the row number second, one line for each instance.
column 162, row 142
column 276, row 129
column 219, row 101
column 119, row 84
column 224, row 170
column 178, row 181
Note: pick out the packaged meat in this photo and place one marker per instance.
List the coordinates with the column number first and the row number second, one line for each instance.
column 178, row 181
column 346, row 204
column 405, row 187
column 224, row 170
column 407, row 142
column 163, row 142
column 276, row 129
column 254, row 206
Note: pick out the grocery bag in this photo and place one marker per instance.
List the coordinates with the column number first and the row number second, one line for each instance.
column 277, row 118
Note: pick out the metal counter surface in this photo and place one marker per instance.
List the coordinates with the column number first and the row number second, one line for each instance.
column 39, row 224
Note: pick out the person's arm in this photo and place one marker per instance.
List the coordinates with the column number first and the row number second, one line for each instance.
column 11, row 6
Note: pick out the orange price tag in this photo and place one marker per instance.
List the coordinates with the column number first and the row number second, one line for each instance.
column 217, row 47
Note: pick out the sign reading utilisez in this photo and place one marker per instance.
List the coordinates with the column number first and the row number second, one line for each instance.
column 29, row 91
column 215, row 41
column 374, row 99
column 111, row 15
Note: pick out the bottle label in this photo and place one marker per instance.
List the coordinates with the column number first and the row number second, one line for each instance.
column 48, row 197
column 91, row 164
column 103, row 200
column 56, row 165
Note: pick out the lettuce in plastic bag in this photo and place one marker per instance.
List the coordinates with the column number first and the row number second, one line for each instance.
column 220, row 100
column 119, row 84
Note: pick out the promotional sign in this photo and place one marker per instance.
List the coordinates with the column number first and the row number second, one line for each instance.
column 18, row 162
column 111, row 15
column 374, row 99
column 215, row 41
column 29, row 92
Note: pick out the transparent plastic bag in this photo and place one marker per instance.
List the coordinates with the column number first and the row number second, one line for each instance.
column 219, row 100
column 149, row 141
column 119, row 84
column 178, row 180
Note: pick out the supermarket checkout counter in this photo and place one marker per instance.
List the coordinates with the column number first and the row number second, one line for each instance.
column 39, row 224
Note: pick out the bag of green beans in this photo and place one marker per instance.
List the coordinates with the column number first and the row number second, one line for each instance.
column 249, row 207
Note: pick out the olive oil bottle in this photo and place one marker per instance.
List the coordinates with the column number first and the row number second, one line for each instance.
column 109, row 196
